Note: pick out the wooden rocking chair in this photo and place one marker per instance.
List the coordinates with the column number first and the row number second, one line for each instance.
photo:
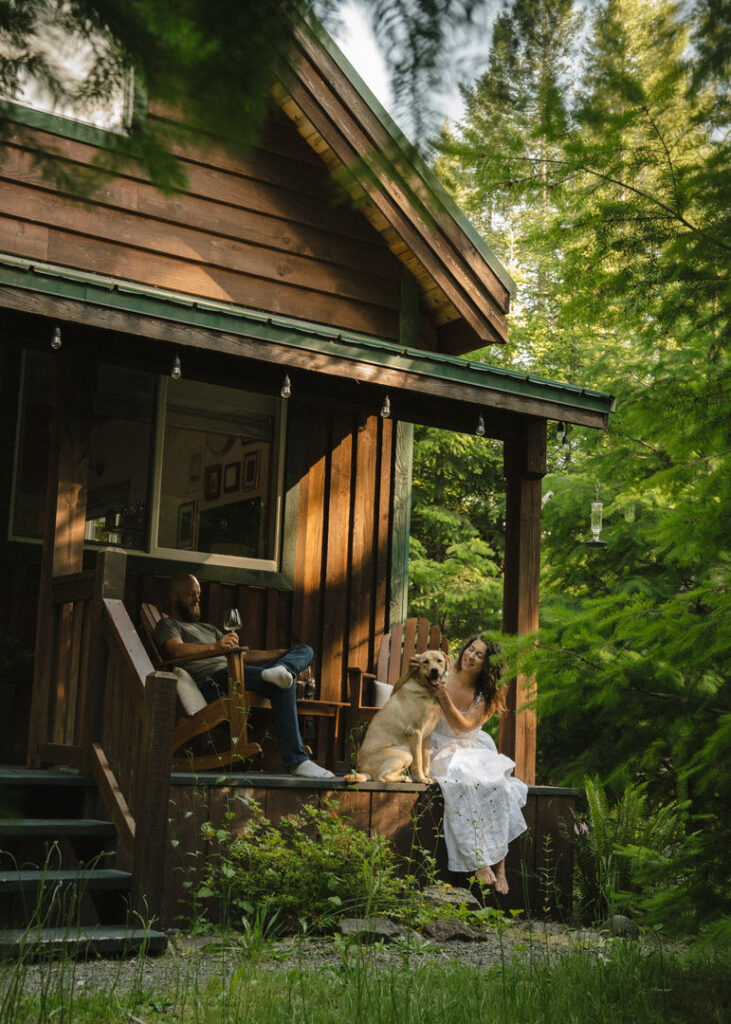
column 233, row 707
column 394, row 651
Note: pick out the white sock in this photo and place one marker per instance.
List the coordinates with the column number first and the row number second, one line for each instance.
column 310, row 770
column 279, row 675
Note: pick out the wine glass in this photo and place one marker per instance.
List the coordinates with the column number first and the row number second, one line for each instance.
column 231, row 621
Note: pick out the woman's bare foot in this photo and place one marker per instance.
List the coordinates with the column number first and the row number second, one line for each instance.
column 501, row 882
column 485, row 876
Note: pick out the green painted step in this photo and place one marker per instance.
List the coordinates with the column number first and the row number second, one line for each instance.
column 102, row 940
column 45, row 777
column 91, row 879
column 56, row 828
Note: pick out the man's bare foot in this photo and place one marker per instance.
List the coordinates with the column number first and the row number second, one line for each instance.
column 501, row 882
column 485, row 876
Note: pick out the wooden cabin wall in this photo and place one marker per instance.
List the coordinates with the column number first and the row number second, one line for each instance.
column 267, row 229
column 342, row 578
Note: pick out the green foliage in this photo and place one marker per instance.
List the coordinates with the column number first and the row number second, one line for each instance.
column 613, row 844
column 608, row 200
column 310, row 869
column 457, row 537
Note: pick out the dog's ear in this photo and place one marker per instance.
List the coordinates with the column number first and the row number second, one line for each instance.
column 419, row 657
column 450, row 663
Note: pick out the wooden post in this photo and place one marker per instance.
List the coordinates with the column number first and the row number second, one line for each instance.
column 525, row 466
column 111, row 568
column 63, row 535
column 152, row 793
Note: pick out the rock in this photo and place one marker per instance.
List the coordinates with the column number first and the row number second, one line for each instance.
column 373, row 929
column 450, row 929
column 449, row 896
column 620, row 927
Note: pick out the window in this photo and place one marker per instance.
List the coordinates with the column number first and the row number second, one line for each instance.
column 82, row 81
column 178, row 469
column 217, row 473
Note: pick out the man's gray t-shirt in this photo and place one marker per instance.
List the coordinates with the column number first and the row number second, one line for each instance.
column 192, row 633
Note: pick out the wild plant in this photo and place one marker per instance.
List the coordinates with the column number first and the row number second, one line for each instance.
column 611, row 843
column 314, row 866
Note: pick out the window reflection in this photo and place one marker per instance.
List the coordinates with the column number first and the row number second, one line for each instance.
column 217, row 471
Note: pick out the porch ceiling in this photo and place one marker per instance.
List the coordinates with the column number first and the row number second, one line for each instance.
column 431, row 387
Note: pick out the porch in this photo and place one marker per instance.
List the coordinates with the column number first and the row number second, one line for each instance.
column 111, row 717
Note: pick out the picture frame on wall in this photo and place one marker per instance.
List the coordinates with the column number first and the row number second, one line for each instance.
column 187, row 521
column 231, row 477
column 251, row 471
column 196, row 464
column 212, row 483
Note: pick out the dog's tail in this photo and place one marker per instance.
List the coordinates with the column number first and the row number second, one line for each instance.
column 358, row 777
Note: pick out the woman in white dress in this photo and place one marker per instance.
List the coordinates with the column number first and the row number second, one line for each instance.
column 482, row 798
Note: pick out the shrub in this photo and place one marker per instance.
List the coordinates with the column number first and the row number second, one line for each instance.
column 309, row 870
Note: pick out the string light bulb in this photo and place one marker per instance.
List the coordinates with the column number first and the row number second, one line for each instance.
column 176, row 371
column 386, row 408
column 56, row 339
column 286, row 390
column 480, row 428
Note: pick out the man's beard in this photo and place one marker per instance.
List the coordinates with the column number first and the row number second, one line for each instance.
column 187, row 614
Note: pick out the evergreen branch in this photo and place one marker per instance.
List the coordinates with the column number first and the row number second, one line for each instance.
column 641, row 193
column 650, row 118
column 674, row 699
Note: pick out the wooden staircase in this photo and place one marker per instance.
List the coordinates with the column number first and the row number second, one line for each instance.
column 60, row 891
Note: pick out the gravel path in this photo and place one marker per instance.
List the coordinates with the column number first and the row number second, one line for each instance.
column 197, row 960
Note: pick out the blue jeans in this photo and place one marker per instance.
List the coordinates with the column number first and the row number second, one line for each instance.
column 284, row 702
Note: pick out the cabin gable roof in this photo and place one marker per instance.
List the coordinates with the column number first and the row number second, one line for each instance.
column 463, row 286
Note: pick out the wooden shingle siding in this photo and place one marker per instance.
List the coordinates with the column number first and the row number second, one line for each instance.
column 264, row 230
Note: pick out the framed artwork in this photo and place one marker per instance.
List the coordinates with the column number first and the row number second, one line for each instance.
column 251, row 471
column 212, row 484
column 196, row 462
column 187, row 519
column 231, row 477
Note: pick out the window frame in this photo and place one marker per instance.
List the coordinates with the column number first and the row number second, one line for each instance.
column 153, row 551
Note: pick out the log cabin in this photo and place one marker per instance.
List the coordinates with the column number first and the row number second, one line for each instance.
column 224, row 381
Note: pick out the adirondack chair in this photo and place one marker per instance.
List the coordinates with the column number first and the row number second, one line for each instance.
column 233, row 707
column 394, row 650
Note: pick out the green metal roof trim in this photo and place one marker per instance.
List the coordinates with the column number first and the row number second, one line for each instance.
column 115, row 293
column 410, row 155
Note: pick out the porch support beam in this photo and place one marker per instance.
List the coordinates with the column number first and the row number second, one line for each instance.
column 63, row 535
column 524, row 467
column 500, row 406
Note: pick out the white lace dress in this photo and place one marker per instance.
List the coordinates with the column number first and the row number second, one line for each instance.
column 482, row 797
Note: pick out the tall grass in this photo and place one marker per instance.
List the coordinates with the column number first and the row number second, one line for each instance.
column 630, row 983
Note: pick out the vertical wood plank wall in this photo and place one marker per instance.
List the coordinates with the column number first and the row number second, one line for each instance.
column 343, row 543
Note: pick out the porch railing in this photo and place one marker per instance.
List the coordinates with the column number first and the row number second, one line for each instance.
column 99, row 705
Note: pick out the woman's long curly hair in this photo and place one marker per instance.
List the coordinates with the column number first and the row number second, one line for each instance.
column 487, row 684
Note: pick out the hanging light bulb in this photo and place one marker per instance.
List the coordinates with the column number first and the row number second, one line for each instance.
column 286, row 390
column 480, row 428
column 595, row 521
column 176, row 371
column 56, row 338
column 386, row 408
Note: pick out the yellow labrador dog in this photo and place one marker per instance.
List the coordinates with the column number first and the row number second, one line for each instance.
column 398, row 737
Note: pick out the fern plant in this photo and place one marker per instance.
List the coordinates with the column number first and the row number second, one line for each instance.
column 611, row 845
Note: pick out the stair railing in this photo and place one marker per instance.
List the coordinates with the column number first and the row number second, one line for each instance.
column 108, row 712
